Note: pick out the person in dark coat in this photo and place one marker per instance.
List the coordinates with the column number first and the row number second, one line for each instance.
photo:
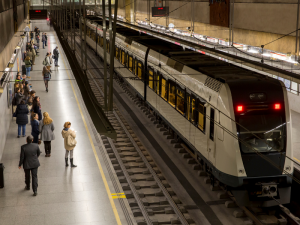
column 43, row 40
column 31, row 35
column 35, row 128
column 36, row 107
column 22, row 117
column 46, row 37
column 26, row 90
column 29, row 158
column 56, row 56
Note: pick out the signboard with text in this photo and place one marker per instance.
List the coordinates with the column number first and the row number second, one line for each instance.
column 160, row 11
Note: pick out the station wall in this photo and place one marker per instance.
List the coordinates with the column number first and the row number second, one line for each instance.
column 12, row 16
column 256, row 22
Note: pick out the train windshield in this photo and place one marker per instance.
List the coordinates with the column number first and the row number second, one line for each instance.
column 263, row 133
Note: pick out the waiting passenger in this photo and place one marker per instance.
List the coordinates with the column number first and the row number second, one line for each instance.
column 46, row 128
column 69, row 141
column 35, row 128
column 22, row 118
column 18, row 79
column 38, row 41
column 31, row 97
column 19, row 96
column 27, row 66
column 36, row 107
column 33, row 55
column 31, row 35
column 26, row 90
column 51, row 61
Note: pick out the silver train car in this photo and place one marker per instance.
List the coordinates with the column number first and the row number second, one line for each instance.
column 236, row 122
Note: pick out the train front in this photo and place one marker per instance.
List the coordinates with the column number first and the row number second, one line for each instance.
column 263, row 124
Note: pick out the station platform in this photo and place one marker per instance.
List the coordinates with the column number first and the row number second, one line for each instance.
column 84, row 195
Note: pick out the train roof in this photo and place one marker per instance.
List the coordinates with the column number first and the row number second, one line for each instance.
column 208, row 65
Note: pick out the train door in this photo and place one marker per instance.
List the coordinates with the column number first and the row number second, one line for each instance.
column 211, row 137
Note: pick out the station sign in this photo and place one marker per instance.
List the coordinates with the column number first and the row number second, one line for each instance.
column 160, row 11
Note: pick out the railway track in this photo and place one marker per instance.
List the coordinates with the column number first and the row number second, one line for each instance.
column 149, row 195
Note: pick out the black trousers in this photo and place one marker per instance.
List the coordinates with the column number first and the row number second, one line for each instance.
column 47, row 145
column 35, row 138
column 34, row 172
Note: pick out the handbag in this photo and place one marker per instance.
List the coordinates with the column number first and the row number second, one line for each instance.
column 71, row 141
column 15, row 114
column 53, row 57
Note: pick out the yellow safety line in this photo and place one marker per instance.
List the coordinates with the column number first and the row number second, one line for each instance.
column 297, row 159
column 94, row 150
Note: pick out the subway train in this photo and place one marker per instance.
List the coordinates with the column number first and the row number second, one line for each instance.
column 236, row 122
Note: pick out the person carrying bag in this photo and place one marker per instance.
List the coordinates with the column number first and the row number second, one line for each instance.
column 69, row 141
column 47, row 76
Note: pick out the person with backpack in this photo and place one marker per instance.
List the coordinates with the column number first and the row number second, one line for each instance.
column 22, row 117
column 47, row 76
column 46, row 128
column 69, row 141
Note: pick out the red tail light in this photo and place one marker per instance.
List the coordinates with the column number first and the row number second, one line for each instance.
column 277, row 106
column 240, row 108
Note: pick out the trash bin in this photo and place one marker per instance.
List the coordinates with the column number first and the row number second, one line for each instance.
column 1, row 175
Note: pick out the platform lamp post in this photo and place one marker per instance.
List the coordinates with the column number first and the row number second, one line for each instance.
column 104, row 54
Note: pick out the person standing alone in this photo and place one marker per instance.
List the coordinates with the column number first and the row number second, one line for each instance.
column 56, row 55
column 44, row 40
column 70, row 142
column 29, row 159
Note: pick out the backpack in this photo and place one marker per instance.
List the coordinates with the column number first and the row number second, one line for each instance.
column 47, row 76
column 71, row 141
column 44, row 62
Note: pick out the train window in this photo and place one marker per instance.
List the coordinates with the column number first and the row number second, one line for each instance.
column 188, row 106
column 130, row 63
column 180, row 100
column 193, row 110
column 164, row 90
column 294, row 88
column 201, row 116
column 172, row 93
column 135, row 67
column 107, row 46
column 117, row 53
column 150, row 78
column 123, row 58
column 156, row 83
column 212, row 124
column 139, row 70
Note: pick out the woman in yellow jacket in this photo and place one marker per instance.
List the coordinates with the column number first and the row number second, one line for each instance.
column 70, row 142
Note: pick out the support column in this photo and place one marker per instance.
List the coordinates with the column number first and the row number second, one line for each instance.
column 297, row 27
column 104, row 55
column 112, row 54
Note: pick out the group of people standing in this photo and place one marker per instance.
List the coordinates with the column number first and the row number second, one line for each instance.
column 27, row 104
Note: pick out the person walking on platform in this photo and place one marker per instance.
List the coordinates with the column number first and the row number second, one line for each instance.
column 36, row 107
column 69, row 141
column 47, row 76
column 22, row 118
column 46, row 37
column 46, row 128
column 38, row 41
column 56, row 55
column 43, row 40
column 29, row 158
column 27, row 66
column 35, row 128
